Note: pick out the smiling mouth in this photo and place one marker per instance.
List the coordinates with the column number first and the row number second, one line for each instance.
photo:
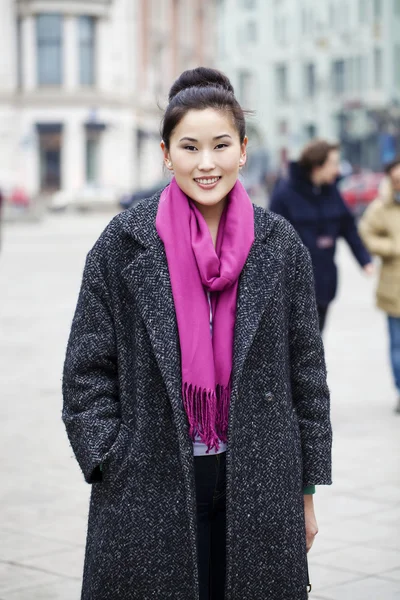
column 207, row 180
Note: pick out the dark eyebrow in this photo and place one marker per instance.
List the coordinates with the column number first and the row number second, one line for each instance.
column 218, row 137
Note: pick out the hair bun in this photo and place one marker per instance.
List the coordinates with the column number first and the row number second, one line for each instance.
column 200, row 77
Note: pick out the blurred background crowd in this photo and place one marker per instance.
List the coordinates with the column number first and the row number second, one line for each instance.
column 83, row 84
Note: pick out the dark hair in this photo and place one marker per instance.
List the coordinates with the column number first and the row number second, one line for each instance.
column 198, row 89
column 315, row 153
column 393, row 163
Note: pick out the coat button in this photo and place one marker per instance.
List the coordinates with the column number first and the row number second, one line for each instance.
column 269, row 397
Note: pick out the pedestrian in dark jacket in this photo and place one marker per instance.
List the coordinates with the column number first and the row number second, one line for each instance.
column 310, row 200
column 195, row 393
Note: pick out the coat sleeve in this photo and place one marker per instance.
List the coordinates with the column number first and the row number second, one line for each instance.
column 308, row 376
column 375, row 235
column 91, row 411
column 348, row 230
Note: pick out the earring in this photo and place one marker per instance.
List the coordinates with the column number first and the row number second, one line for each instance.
column 169, row 164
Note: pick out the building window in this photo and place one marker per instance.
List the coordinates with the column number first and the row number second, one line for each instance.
column 251, row 32
column 363, row 11
column 338, row 15
column 86, row 50
column 338, row 76
column 280, row 30
column 245, row 87
column 277, row 29
column 332, row 15
column 310, row 80
column 378, row 68
column 50, row 141
column 92, row 152
column 221, row 38
column 282, row 127
column 310, row 131
column 304, row 21
column 350, row 74
column 247, row 3
column 364, row 79
column 49, row 49
column 19, row 54
column 377, row 10
column 281, row 77
column 360, row 73
column 343, row 16
column 311, row 22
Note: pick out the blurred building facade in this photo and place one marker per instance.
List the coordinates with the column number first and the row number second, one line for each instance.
column 80, row 84
column 310, row 68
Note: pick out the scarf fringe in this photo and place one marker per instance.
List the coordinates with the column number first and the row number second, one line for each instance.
column 208, row 413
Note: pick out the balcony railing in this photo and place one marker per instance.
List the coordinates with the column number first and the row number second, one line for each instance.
column 95, row 8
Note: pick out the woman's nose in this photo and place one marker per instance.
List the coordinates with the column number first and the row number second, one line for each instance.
column 206, row 162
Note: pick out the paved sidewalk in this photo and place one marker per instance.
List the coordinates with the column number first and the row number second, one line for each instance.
column 43, row 499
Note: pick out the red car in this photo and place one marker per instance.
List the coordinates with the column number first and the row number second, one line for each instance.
column 360, row 189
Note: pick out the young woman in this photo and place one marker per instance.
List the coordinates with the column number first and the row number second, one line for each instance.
column 195, row 394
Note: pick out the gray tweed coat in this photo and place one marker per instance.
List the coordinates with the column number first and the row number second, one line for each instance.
column 123, row 409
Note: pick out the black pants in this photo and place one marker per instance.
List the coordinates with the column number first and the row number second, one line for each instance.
column 210, row 475
column 322, row 311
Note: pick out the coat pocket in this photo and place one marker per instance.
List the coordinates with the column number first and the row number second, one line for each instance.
column 114, row 458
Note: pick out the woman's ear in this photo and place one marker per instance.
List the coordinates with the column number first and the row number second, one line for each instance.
column 167, row 160
column 243, row 152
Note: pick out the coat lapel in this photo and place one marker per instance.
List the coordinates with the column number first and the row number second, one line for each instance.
column 151, row 284
column 147, row 279
column 257, row 285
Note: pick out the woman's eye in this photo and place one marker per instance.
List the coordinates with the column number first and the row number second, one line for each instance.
column 221, row 146
column 191, row 148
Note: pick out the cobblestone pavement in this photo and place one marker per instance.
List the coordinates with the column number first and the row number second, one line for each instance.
column 43, row 499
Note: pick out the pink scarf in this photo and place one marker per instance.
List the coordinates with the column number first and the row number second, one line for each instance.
column 195, row 268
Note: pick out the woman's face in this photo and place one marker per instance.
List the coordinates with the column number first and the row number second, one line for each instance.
column 205, row 155
column 330, row 170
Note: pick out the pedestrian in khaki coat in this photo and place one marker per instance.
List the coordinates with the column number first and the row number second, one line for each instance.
column 380, row 230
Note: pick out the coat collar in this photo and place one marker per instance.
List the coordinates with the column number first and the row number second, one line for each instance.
column 140, row 222
column 147, row 277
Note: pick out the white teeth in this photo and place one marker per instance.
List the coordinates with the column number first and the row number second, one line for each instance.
column 207, row 181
